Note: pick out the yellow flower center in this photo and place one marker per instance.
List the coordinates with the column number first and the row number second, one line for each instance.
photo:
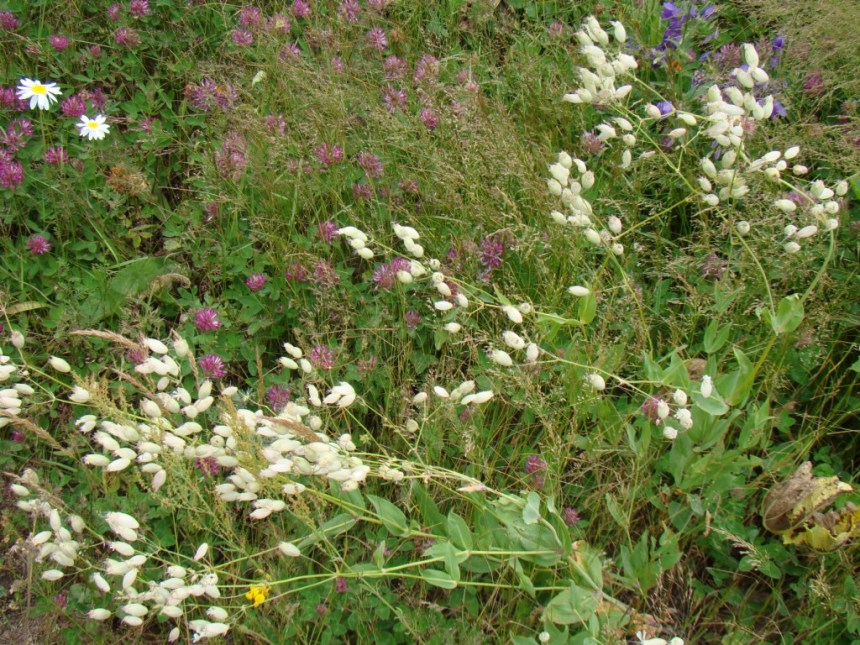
column 93, row 125
column 38, row 88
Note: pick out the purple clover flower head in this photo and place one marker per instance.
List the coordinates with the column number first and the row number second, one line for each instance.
column 230, row 160
column 376, row 39
column 394, row 99
column 337, row 64
column 385, row 276
column 16, row 134
column 362, row 191
column 56, row 156
column 327, row 231
column 325, row 275
column 279, row 23
column 491, row 252
column 778, row 43
column 207, row 319
column 213, row 366
column 570, row 516
column 813, row 85
column 371, row 164
column 535, row 464
column 556, row 29
column 207, row 466
column 430, row 118
column 256, row 281
column 139, row 8
column 349, row 10
column 321, row 357
column 395, row 68
column 410, row 186
column 340, row 585
column 58, row 42
column 126, row 37
column 97, row 97
column 275, row 123
column 74, row 107
column 137, row 356
column 290, row 51
column 296, row 273
column 277, row 397
column 242, row 37
column 591, row 143
column 8, row 21
column 427, row 69
column 208, row 94
column 649, row 408
column 250, row 17
column 17, row 436
column 113, row 12
column 9, row 99
column 38, row 245
column 11, row 171
column 301, row 9
column 212, row 210
column 329, row 154
column 412, row 318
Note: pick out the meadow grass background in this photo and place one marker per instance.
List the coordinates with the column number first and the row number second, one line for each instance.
column 238, row 145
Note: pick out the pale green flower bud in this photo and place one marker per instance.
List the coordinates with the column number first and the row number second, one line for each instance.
column 59, row 364
column 596, row 381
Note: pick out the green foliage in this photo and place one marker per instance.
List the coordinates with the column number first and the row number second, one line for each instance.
column 566, row 504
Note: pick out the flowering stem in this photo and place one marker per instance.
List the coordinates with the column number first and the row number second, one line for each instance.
column 823, row 268
column 762, row 272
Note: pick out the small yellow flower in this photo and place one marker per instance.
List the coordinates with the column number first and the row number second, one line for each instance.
column 257, row 594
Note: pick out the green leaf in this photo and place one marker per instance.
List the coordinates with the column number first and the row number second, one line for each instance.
column 615, row 511
column 458, row 531
column 438, row 578
column 712, row 405
column 715, row 337
column 587, row 308
column 571, row 606
column 557, row 320
column 137, row 276
column 531, row 512
column 392, row 517
column 526, row 583
column 789, row 315
column 516, row 639
column 430, row 514
column 451, row 564
column 335, row 526
column 379, row 555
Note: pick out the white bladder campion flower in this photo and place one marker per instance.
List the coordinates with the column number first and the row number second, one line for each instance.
column 578, row 291
column 707, row 387
column 95, row 128
column 596, row 381
column 59, row 364
column 41, row 94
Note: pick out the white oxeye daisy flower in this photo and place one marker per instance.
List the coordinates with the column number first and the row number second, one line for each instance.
column 40, row 94
column 95, row 128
